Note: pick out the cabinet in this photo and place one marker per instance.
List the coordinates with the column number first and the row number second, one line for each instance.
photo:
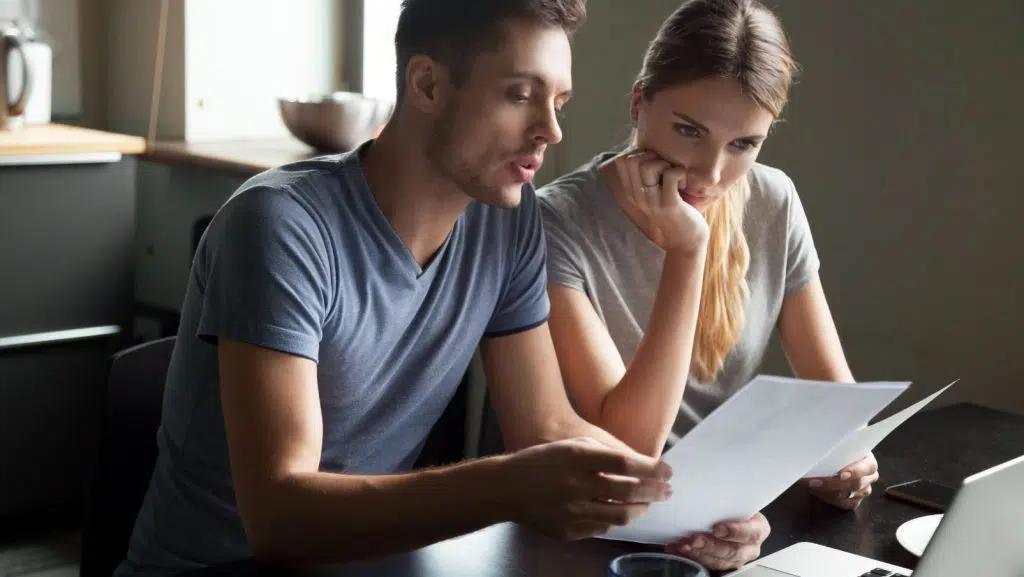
column 67, row 225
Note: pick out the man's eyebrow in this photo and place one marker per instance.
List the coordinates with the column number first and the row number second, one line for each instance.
column 536, row 79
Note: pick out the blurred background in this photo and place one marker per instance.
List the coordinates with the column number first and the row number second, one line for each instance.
column 902, row 136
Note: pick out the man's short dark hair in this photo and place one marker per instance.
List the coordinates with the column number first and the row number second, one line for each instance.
column 455, row 32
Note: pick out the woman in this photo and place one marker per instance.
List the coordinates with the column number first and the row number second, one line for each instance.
column 672, row 262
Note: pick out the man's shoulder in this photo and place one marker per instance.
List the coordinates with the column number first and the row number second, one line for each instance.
column 314, row 177
column 319, row 189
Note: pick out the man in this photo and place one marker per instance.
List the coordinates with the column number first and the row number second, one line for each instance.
column 335, row 304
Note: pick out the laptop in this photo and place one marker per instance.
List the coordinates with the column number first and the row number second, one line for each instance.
column 981, row 534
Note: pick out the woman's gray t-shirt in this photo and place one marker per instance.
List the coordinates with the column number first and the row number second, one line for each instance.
column 594, row 247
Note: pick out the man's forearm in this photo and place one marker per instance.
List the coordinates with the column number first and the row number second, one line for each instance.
column 572, row 425
column 330, row 518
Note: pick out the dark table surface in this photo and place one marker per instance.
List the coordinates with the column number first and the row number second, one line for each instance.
column 944, row 445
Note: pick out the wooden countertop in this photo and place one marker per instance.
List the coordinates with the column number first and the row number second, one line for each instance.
column 51, row 139
column 246, row 157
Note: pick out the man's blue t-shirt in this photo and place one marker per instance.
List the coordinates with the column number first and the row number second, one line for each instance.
column 302, row 260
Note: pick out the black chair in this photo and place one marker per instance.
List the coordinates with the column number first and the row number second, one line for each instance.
column 126, row 453
column 198, row 228
column 127, row 450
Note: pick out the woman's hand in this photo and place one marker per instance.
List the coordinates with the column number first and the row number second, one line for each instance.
column 652, row 187
column 850, row 486
column 732, row 545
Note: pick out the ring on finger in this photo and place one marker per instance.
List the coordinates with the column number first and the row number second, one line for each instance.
column 648, row 188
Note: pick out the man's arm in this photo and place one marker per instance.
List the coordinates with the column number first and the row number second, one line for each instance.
column 527, row 393
column 294, row 512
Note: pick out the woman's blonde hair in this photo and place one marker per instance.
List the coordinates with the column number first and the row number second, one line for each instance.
column 738, row 39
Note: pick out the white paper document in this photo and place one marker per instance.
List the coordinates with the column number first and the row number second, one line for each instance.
column 752, row 448
column 861, row 442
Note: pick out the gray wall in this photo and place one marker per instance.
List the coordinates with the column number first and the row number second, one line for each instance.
column 170, row 200
column 902, row 137
column 118, row 49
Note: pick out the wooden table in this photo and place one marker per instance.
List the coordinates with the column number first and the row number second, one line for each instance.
column 945, row 445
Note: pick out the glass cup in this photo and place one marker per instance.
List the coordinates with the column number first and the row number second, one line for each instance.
column 655, row 565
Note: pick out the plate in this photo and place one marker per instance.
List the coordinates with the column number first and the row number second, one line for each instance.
column 915, row 533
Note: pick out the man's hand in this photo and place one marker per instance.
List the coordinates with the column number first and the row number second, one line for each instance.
column 579, row 488
column 732, row 545
column 850, row 487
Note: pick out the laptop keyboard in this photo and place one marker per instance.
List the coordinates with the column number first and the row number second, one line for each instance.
column 882, row 573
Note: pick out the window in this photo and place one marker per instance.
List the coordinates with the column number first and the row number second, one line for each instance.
column 239, row 57
column 380, row 20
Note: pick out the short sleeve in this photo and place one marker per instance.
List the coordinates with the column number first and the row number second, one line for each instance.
column 563, row 264
column 264, row 274
column 801, row 255
column 524, row 303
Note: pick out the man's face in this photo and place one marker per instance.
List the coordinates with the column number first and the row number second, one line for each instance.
column 490, row 137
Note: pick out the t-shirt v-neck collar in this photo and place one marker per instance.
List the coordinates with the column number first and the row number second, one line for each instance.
column 401, row 256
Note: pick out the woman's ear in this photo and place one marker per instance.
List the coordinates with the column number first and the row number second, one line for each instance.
column 636, row 99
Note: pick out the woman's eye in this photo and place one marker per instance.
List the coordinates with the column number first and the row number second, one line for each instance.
column 743, row 145
column 687, row 130
column 519, row 97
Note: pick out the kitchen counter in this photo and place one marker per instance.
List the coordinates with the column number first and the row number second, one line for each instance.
column 55, row 140
column 68, row 231
column 244, row 157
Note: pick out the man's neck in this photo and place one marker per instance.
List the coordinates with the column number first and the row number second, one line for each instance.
column 421, row 206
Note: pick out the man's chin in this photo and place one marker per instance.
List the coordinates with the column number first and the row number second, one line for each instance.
column 511, row 196
column 506, row 196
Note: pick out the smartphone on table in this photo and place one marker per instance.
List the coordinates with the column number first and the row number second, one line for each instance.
column 924, row 493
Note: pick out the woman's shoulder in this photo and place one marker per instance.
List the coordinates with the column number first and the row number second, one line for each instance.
column 773, row 195
column 574, row 196
column 770, row 186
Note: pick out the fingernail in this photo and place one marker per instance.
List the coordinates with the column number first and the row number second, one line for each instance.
column 816, row 483
column 687, row 548
column 698, row 543
column 721, row 532
column 664, row 471
column 846, row 475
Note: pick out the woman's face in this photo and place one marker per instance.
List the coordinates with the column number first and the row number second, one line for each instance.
column 710, row 127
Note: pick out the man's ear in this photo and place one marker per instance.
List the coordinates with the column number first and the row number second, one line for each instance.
column 425, row 79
